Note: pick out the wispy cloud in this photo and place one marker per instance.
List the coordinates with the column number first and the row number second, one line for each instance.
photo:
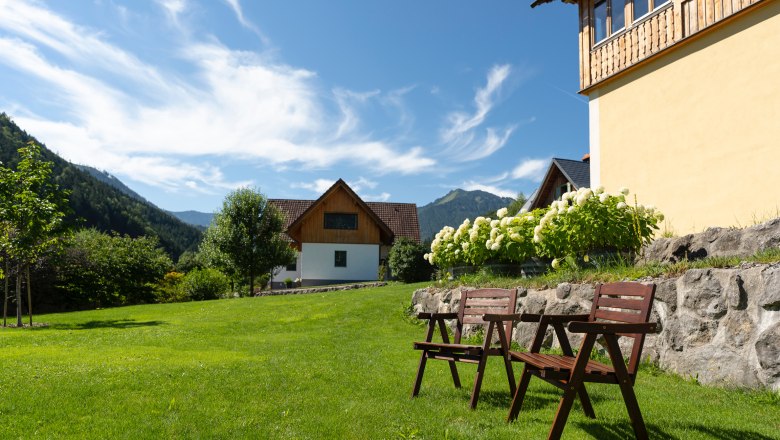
column 238, row 105
column 236, row 7
column 319, row 186
column 461, row 136
column 493, row 189
column 531, row 169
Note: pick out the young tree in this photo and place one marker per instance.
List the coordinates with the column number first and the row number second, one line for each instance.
column 32, row 208
column 246, row 235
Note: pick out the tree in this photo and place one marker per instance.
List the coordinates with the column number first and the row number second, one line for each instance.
column 32, row 208
column 245, row 236
column 407, row 262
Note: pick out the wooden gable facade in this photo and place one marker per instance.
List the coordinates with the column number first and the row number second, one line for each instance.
column 310, row 227
column 564, row 175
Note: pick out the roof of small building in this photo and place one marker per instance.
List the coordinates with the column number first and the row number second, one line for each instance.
column 577, row 171
column 400, row 218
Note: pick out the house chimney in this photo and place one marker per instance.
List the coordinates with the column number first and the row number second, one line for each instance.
column 586, row 158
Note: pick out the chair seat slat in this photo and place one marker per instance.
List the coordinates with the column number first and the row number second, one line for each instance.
column 620, row 303
column 616, row 316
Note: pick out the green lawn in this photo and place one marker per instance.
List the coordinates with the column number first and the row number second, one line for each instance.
column 332, row 365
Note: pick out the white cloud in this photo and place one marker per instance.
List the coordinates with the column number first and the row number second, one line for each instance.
column 319, row 186
column 460, row 135
column 376, row 197
column 238, row 105
column 532, row 169
column 493, row 189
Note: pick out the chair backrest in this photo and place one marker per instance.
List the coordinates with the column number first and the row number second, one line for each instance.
column 475, row 303
column 627, row 303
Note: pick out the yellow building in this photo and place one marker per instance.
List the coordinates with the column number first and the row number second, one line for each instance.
column 685, row 105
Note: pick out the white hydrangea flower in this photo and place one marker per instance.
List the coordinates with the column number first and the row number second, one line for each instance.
column 465, row 245
column 599, row 189
column 501, row 213
column 495, row 247
column 516, row 237
column 603, row 197
column 499, row 238
column 494, row 223
column 505, row 221
column 659, row 216
column 537, row 238
column 523, row 211
column 555, row 263
column 479, row 221
column 571, row 209
column 624, row 191
column 474, row 236
column 449, row 245
column 622, row 205
column 581, row 200
column 488, row 243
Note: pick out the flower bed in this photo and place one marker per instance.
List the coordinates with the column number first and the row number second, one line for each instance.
column 582, row 222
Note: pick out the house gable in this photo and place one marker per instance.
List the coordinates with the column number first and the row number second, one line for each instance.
column 561, row 172
column 310, row 226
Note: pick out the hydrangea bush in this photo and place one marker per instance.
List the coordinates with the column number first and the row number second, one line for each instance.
column 581, row 222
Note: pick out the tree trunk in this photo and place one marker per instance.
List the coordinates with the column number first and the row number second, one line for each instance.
column 251, row 283
column 18, row 297
column 29, row 296
column 5, row 301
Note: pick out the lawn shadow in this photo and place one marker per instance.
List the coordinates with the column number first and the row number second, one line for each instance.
column 619, row 430
column 108, row 323
column 546, row 397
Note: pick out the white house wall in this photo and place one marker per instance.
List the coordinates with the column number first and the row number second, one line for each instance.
column 318, row 263
column 283, row 273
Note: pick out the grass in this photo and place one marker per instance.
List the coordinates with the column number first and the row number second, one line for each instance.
column 617, row 269
column 330, row 365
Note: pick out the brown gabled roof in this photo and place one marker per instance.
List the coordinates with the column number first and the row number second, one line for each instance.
column 399, row 219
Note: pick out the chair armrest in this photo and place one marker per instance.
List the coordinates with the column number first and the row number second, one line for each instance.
column 562, row 319
column 501, row 317
column 530, row 317
column 437, row 315
column 612, row 327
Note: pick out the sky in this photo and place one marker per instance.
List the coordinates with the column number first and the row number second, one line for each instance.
column 186, row 100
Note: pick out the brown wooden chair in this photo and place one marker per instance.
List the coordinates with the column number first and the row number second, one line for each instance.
column 626, row 307
column 494, row 307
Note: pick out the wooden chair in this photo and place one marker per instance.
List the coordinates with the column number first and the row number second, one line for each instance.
column 493, row 307
column 627, row 306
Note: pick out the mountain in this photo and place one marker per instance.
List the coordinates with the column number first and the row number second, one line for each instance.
column 101, row 201
column 455, row 207
column 195, row 218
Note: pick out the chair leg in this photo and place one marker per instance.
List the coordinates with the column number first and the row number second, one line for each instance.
column 564, row 407
column 587, row 408
column 478, row 380
column 454, row 372
column 633, row 409
column 517, row 401
column 510, row 375
column 420, row 371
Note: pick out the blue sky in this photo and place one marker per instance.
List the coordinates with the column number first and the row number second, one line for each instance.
column 184, row 100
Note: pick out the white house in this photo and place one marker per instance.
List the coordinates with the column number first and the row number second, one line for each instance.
column 340, row 238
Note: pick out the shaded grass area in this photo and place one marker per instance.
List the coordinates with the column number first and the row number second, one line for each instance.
column 330, row 365
column 612, row 270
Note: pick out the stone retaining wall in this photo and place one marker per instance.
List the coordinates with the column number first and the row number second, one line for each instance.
column 721, row 326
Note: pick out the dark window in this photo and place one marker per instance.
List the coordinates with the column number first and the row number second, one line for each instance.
column 618, row 8
column 292, row 267
column 658, row 3
column 341, row 259
column 335, row 220
column 641, row 8
column 600, row 20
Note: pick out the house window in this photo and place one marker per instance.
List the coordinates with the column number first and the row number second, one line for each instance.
column 292, row 267
column 561, row 190
column 642, row 7
column 608, row 18
column 337, row 220
column 341, row 259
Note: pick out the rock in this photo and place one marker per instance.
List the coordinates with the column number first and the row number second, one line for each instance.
column 533, row 303
column 769, row 298
column 768, row 352
column 735, row 292
column 715, row 242
column 583, row 292
column 666, row 292
column 737, row 329
column 700, row 292
column 563, row 290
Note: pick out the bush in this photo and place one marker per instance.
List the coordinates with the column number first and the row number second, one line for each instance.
column 169, row 289
column 202, row 284
column 407, row 262
column 582, row 222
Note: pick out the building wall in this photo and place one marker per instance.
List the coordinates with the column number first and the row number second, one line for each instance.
column 317, row 263
column 283, row 274
column 696, row 132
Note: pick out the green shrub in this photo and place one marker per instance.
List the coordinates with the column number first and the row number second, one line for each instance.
column 169, row 289
column 582, row 222
column 407, row 261
column 202, row 284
